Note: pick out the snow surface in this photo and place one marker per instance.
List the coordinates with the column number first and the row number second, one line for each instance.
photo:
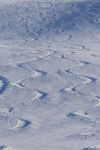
column 50, row 75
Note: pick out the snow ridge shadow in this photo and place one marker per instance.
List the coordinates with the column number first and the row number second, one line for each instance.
column 4, row 84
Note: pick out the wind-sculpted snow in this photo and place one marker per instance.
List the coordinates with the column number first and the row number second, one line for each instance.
column 32, row 19
column 50, row 75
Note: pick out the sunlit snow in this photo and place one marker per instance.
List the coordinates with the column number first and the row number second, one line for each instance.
column 50, row 75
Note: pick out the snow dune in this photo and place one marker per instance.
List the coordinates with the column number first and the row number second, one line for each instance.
column 50, row 75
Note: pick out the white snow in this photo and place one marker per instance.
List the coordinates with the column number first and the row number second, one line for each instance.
column 50, row 75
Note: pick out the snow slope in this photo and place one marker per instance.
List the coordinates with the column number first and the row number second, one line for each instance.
column 50, row 75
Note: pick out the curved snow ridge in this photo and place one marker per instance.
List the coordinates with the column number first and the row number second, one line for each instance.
column 11, row 124
column 3, row 147
column 77, row 80
column 35, row 72
column 20, row 124
column 3, row 84
column 90, row 116
column 77, row 136
column 88, row 80
column 83, row 63
column 90, row 87
column 36, row 82
column 81, row 117
column 71, row 76
column 92, row 148
column 32, row 19
column 40, row 95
